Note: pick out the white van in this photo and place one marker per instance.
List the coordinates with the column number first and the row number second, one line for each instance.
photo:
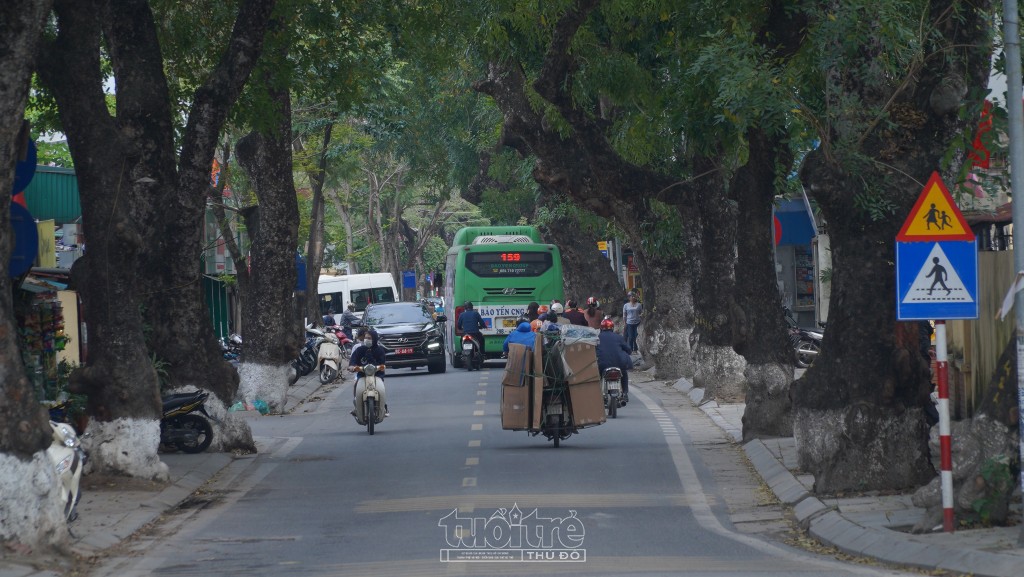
column 362, row 289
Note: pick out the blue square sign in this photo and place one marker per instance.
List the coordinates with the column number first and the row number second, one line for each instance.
column 936, row 280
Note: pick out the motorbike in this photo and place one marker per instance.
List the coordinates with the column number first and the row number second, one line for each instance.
column 231, row 347
column 611, row 386
column 307, row 360
column 329, row 358
column 181, row 428
column 69, row 459
column 474, row 358
column 344, row 341
column 806, row 342
column 370, row 410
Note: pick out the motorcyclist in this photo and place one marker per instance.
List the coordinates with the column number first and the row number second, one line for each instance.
column 555, row 315
column 371, row 352
column 574, row 314
column 612, row 351
column 470, row 322
column 593, row 314
column 349, row 320
column 536, row 324
column 329, row 318
column 523, row 335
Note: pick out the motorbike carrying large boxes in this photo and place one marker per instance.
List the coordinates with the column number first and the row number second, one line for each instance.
column 516, row 386
column 584, row 382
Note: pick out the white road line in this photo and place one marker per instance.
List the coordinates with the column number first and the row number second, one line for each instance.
column 701, row 509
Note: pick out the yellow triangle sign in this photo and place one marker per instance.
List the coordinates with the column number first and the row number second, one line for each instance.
column 935, row 217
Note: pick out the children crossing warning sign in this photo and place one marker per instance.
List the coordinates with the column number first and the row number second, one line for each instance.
column 935, row 216
column 936, row 260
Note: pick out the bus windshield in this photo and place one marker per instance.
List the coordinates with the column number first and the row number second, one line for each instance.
column 508, row 263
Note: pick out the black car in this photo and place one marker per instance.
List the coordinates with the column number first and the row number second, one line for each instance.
column 412, row 336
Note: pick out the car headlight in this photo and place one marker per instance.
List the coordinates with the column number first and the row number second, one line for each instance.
column 434, row 345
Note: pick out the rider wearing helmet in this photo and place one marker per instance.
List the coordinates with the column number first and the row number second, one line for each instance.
column 593, row 314
column 612, row 351
column 371, row 352
column 555, row 315
column 470, row 322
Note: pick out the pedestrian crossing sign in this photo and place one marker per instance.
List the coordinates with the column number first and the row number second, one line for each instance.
column 936, row 280
column 935, row 217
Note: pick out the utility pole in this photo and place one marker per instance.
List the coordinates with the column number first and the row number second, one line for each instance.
column 1015, row 108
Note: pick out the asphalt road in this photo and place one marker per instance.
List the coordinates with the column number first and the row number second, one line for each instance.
column 440, row 488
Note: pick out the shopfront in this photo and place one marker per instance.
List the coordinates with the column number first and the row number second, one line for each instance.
column 796, row 265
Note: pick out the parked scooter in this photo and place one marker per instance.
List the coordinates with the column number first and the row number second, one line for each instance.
column 181, row 428
column 344, row 341
column 611, row 386
column 329, row 358
column 372, row 400
column 471, row 353
column 806, row 343
column 69, row 458
column 307, row 360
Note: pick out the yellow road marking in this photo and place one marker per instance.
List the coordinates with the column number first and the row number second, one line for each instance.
column 470, row 461
column 476, row 427
column 474, row 443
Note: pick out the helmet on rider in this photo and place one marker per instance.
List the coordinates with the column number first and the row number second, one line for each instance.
column 592, row 302
column 468, row 306
column 607, row 325
column 557, row 308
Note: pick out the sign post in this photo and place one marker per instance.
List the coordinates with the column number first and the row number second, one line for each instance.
column 937, row 278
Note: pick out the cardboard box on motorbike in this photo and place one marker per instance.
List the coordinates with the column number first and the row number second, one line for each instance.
column 584, row 380
column 516, row 389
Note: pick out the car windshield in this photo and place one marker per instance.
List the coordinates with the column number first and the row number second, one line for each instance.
column 395, row 315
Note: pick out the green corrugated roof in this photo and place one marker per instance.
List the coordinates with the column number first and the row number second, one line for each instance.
column 53, row 194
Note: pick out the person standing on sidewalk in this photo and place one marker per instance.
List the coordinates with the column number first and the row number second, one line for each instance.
column 631, row 314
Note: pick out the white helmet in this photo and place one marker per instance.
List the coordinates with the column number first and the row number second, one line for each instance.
column 557, row 308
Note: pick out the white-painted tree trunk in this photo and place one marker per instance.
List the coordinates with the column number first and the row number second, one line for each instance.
column 31, row 512
column 268, row 383
column 719, row 371
column 125, row 447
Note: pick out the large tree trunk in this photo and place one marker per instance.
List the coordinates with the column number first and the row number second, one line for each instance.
column 759, row 329
column 273, row 333
column 182, row 334
column 315, row 246
column 112, row 160
column 985, row 455
column 586, row 271
column 858, row 411
column 719, row 367
column 30, row 508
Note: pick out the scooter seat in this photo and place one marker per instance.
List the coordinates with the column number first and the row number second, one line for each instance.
column 179, row 399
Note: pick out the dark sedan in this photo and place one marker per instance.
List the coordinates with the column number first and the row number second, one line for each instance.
column 412, row 337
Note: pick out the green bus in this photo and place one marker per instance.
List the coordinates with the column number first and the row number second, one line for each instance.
column 501, row 270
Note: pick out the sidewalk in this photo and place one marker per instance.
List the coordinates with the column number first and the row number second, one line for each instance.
column 873, row 526
column 112, row 509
